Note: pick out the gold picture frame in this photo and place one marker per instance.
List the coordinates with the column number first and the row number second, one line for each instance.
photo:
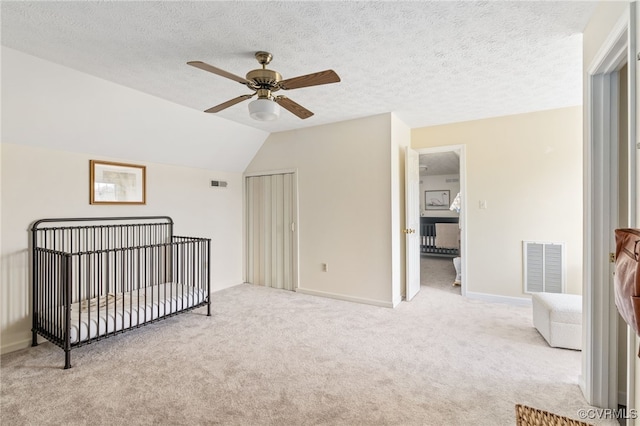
column 117, row 183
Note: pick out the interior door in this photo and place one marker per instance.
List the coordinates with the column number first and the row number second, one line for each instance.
column 412, row 222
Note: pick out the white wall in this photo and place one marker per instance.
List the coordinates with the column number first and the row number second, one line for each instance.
column 345, row 190
column 54, row 120
column 528, row 168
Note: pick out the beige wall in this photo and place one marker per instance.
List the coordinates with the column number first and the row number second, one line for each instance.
column 47, row 111
column 345, row 211
column 39, row 183
column 528, row 168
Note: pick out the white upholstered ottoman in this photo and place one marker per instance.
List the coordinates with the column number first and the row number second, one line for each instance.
column 558, row 317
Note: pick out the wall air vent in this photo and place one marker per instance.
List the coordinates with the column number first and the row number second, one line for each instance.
column 219, row 183
column 544, row 267
column 452, row 180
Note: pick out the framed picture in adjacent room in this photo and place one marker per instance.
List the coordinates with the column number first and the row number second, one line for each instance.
column 437, row 200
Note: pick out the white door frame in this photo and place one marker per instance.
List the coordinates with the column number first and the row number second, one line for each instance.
column 412, row 223
column 463, row 206
column 600, row 357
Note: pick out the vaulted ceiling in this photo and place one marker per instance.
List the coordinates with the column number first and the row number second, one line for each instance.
column 429, row 62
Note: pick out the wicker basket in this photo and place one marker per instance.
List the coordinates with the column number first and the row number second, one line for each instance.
column 527, row 416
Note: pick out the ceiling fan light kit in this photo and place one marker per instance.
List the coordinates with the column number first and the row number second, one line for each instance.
column 263, row 109
column 263, row 82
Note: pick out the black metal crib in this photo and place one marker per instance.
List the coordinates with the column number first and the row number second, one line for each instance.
column 428, row 241
column 96, row 277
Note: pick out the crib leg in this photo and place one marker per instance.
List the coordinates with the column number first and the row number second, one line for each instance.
column 209, row 309
column 67, row 359
column 34, row 338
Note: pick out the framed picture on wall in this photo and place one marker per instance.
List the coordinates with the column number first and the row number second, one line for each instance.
column 437, row 200
column 117, row 183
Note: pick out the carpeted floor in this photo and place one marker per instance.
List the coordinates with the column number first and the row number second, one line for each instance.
column 272, row 357
column 438, row 273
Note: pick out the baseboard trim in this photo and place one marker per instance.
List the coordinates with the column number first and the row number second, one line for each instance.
column 329, row 295
column 16, row 346
column 494, row 298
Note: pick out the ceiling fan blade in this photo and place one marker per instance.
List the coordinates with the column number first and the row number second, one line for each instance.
column 293, row 107
column 229, row 103
column 322, row 77
column 223, row 73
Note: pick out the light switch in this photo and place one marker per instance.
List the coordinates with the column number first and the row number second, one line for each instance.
column 483, row 204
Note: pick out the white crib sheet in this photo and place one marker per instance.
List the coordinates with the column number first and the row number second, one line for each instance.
column 121, row 311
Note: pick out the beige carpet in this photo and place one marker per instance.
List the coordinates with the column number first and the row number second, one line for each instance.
column 272, row 357
column 438, row 273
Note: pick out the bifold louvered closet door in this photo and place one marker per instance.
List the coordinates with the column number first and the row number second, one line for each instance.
column 271, row 248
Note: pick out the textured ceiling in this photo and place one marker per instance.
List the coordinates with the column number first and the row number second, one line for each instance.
column 429, row 62
column 440, row 163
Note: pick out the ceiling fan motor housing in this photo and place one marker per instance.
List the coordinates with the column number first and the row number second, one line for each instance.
column 264, row 79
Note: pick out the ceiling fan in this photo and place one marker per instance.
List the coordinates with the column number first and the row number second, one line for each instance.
column 264, row 82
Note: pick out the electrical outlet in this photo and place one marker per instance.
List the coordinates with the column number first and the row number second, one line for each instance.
column 483, row 204
column 325, row 267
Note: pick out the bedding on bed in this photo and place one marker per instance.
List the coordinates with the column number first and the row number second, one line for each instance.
column 447, row 235
column 99, row 302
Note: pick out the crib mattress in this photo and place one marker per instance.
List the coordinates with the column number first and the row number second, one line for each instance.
column 115, row 312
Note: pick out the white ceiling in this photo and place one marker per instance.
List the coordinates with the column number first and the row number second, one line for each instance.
column 440, row 163
column 429, row 62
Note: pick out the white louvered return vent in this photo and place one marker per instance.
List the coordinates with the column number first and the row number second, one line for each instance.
column 544, row 268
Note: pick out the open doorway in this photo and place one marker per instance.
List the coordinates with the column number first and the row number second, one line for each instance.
column 442, row 218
